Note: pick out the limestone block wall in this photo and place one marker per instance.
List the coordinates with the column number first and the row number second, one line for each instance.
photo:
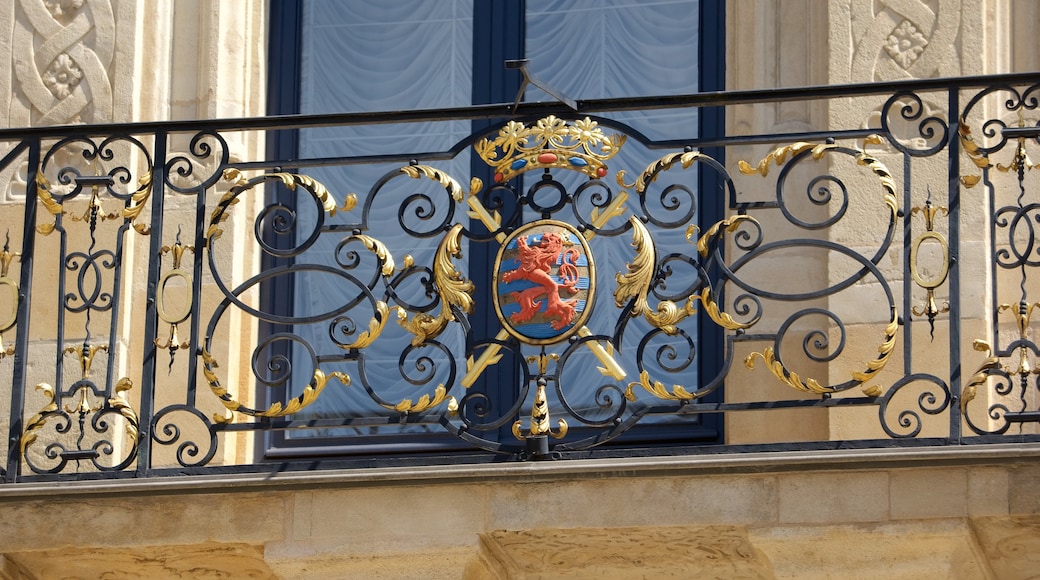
column 905, row 514
column 792, row 43
column 67, row 62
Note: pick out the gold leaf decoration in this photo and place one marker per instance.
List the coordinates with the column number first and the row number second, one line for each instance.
column 888, row 183
column 635, row 284
column 37, row 421
column 779, row 157
column 972, row 150
column 424, row 403
column 551, row 142
column 711, row 308
column 52, row 206
column 291, row 182
column 380, row 250
column 137, row 200
column 539, row 424
column 44, row 191
column 375, row 327
column 981, row 374
column 884, row 352
column 120, row 404
column 649, row 175
column 310, row 393
column 454, row 289
column 450, row 184
column 729, row 224
column 809, row 385
column 785, row 376
column 658, row 389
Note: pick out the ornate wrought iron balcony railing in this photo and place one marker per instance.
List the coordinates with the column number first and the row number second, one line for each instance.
column 558, row 283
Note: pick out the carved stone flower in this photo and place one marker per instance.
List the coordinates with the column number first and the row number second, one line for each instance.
column 905, row 44
column 62, row 76
column 63, row 9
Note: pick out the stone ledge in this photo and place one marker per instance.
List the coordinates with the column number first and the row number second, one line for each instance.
column 752, row 463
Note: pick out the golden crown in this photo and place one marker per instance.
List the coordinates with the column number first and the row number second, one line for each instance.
column 551, row 142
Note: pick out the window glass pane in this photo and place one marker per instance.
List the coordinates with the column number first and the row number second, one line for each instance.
column 360, row 55
column 599, row 49
column 591, row 49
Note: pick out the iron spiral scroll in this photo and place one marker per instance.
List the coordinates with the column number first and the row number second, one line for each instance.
column 545, row 286
column 587, row 295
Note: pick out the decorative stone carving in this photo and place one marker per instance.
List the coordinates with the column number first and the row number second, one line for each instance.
column 62, row 76
column 65, row 54
column 900, row 39
column 1011, row 545
column 644, row 552
column 63, row 62
column 63, row 10
column 905, row 44
column 200, row 561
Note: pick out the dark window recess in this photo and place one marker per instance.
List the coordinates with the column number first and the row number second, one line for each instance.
column 333, row 56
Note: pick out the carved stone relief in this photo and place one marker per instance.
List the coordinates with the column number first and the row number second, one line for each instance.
column 664, row 552
column 64, row 61
column 1011, row 545
column 63, row 64
column 902, row 39
column 201, row 561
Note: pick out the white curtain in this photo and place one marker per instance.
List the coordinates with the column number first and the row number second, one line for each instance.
column 360, row 55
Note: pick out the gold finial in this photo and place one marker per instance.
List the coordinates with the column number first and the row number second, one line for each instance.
column 539, row 425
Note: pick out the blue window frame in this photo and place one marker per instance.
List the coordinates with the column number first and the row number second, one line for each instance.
column 320, row 49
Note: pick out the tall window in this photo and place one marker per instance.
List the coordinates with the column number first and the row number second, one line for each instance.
column 333, row 56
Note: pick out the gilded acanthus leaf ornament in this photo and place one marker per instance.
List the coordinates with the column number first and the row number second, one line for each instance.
column 120, row 404
column 659, row 390
column 37, row 421
column 376, row 324
column 425, row 402
column 685, row 159
column 137, row 203
column 635, row 284
column 450, row 184
column 310, row 393
column 386, row 260
column 989, row 365
column 454, row 289
column 1020, row 159
column 779, row 157
column 810, row 385
column 130, row 213
column 728, row 225
column 888, row 183
column 291, row 181
column 539, row 424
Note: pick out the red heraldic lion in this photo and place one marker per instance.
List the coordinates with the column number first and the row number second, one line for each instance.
column 536, row 263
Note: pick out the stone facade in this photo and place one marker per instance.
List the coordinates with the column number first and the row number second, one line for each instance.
column 905, row 514
column 899, row 514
